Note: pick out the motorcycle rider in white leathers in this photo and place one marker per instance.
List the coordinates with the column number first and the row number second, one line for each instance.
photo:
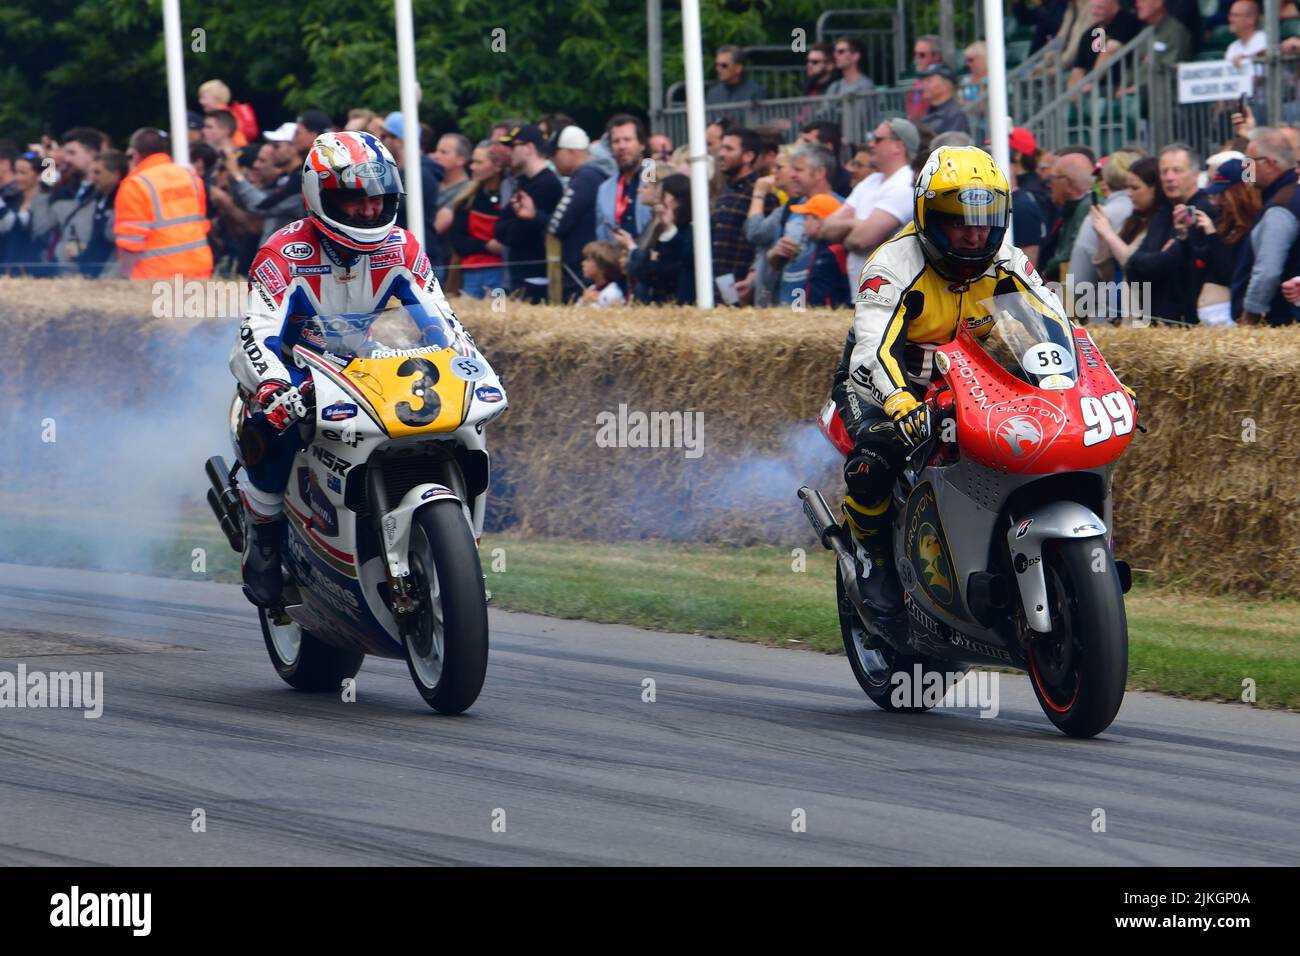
column 346, row 256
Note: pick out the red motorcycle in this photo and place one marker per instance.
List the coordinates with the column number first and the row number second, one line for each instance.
column 1002, row 530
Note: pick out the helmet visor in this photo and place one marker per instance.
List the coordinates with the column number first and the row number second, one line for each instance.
column 971, row 206
column 358, row 208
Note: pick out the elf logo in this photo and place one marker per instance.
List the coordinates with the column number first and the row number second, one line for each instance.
column 75, row 909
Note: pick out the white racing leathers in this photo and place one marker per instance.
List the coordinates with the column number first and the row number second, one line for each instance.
column 294, row 274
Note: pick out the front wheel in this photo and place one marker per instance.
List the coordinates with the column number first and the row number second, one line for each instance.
column 447, row 650
column 1078, row 671
column 303, row 661
column 893, row 680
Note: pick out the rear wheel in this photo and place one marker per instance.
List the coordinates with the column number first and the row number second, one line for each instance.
column 303, row 661
column 1078, row 671
column 889, row 677
column 448, row 649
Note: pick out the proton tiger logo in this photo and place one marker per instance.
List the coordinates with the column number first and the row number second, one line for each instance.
column 1020, row 436
column 934, row 568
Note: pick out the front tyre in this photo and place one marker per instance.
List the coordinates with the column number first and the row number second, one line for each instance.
column 303, row 661
column 448, row 649
column 1078, row 671
column 878, row 667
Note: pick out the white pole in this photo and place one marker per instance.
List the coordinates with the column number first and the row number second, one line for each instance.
column 655, row 54
column 409, row 91
column 999, row 118
column 176, row 82
column 698, row 153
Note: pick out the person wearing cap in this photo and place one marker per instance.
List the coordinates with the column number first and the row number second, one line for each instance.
column 881, row 204
column 574, row 218
column 811, row 166
column 1025, row 159
column 827, row 260
column 521, row 227
column 430, row 172
column 1220, row 241
column 945, row 114
column 160, row 214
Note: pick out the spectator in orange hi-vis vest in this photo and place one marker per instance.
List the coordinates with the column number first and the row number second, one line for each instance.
column 160, row 214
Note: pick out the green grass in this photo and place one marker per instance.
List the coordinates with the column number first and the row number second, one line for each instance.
column 1179, row 643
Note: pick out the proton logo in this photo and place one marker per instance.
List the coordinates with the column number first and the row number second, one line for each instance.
column 1020, row 436
column 930, row 552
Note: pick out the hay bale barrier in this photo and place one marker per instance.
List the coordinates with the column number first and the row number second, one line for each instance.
column 1209, row 497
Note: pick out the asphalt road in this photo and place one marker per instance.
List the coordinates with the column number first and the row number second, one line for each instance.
column 738, row 737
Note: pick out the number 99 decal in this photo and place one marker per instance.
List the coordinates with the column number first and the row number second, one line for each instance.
column 1105, row 417
column 426, row 374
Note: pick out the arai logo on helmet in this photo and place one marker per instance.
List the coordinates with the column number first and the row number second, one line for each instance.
column 1021, row 435
column 975, row 196
column 370, row 170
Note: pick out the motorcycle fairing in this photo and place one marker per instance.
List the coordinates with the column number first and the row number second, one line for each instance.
column 1011, row 426
column 928, row 555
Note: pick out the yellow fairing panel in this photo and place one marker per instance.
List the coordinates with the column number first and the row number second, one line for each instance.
column 413, row 394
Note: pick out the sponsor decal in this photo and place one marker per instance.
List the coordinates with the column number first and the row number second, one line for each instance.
column 422, row 267
column 1056, row 382
column 348, row 436
column 370, row 170
column 1023, row 563
column 488, row 394
column 293, row 227
column 270, row 276
column 261, row 290
column 1021, row 430
column 334, row 483
column 402, row 353
column 339, row 411
column 975, row 196
column 941, row 360
column 926, row 548
column 468, row 369
column 346, row 277
column 386, row 258
column 873, row 283
column 979, row 322
column 327, row 458
column 1023, row 528
column 436, row 493
column 324, row 516
column 396, row 238
column 869, row 290
column 1086, row 527
column 988, row 650
column 298, row 250
column 1019, row 436
column 252, row 349
column 321, row 270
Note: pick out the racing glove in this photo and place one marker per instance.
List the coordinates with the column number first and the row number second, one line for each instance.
column 911, row 418
column 281, row 403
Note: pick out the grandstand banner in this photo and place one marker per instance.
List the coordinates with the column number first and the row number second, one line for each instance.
column 1213, row 80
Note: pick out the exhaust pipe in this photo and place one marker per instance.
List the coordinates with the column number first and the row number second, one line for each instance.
column 820, row 517
column 225, row 503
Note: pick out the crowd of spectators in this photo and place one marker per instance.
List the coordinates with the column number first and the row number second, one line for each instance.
column 1173, row 238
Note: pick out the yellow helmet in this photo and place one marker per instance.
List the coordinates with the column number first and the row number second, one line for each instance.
column 961, row 186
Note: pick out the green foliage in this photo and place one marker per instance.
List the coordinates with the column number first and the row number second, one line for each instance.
column 101, row 62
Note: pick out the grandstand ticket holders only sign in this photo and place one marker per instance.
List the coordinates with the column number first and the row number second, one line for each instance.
column 1214, row 80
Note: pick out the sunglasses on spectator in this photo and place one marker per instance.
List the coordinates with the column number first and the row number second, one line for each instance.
column 817, row 60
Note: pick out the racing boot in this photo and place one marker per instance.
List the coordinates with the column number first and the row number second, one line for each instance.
column 872, row 531
column 263, row 578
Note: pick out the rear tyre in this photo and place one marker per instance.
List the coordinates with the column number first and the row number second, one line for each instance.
column 875, row 663
column 447, row 653
column 1078, row 671
column 303, row 661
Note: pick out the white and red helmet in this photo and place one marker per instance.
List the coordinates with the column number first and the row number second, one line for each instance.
column 344, row 164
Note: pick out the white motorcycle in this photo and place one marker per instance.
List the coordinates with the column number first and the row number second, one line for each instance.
column 385, row 506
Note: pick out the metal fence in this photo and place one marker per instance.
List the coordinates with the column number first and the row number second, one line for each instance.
column 858, row 114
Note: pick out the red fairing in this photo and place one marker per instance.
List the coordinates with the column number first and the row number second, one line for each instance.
column 1009, row 425
column 834, row 430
